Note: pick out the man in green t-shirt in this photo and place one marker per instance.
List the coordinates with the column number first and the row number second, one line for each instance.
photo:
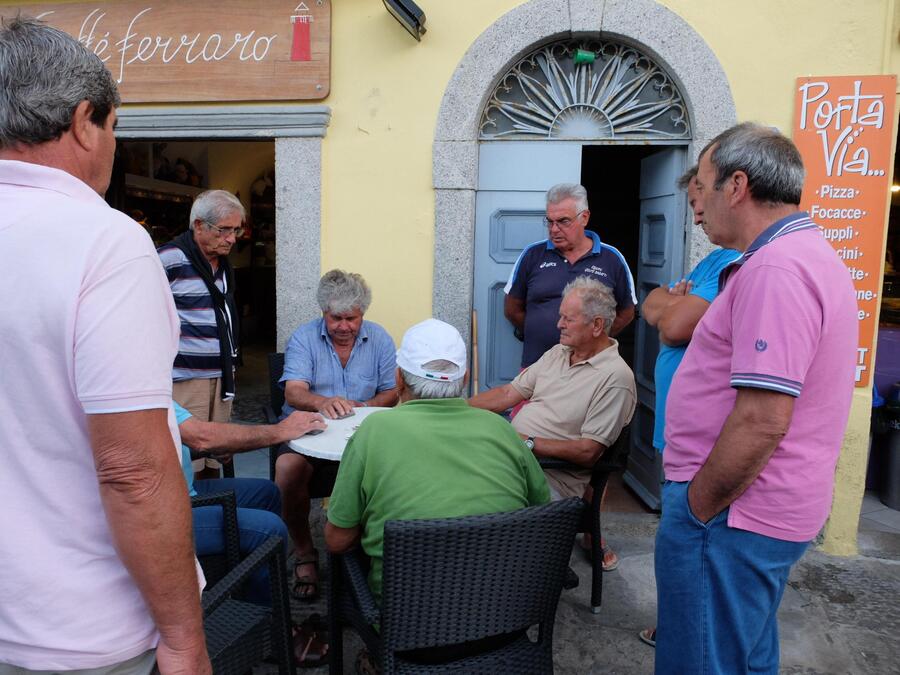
column 431, row 457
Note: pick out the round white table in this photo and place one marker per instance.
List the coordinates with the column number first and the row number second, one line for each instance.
column 330, row 443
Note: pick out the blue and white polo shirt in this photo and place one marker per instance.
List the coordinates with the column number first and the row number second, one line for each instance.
column 542, row 272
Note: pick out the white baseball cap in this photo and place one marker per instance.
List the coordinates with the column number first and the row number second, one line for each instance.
column 432, row 340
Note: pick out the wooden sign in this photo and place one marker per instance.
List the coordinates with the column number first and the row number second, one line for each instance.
column 844, row 129
column 203, row 50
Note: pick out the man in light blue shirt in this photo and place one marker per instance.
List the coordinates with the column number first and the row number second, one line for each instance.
column 331, row 366
column 317, row 378
column 675, row 311
column 685, row 303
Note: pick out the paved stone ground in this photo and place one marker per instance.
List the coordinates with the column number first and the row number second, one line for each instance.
column 838, row 616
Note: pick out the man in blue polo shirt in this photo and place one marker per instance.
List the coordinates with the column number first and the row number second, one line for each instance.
column 534, row 290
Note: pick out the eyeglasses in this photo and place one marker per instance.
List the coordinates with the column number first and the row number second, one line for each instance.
column 226, row 231
column 562, row 223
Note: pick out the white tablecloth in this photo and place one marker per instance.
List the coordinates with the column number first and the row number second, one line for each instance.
column 330, row 443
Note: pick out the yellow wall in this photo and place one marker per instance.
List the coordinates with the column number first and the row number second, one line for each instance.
column 377, row 201
column 850, row 479
column 764, row 46
column 378, row 205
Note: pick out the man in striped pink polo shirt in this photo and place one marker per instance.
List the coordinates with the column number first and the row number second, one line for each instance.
column 755, row 415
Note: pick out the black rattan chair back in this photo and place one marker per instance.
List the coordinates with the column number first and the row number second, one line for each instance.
column 276, row 391
column 322, row 481
column 614, row 459
column 458, row 580
column 217, row 566
column 276, row 402
column 240, row 634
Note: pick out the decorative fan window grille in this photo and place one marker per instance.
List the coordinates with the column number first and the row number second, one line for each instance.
column 621, row 95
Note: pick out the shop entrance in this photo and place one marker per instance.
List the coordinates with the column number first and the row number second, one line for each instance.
column 155, row 182
column 635, row 207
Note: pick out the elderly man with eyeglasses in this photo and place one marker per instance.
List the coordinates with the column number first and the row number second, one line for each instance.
column 534, row 290
column 202, row 283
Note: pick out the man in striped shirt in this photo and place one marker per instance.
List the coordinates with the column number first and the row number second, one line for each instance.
column 202, row 283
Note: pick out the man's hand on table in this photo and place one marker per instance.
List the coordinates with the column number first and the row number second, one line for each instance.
column 336, row 407
column 299, row 423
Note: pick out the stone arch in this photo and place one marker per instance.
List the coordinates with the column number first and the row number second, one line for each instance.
column 646, row 24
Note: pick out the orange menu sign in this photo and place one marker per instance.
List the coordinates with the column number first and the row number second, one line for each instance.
column 844, row 129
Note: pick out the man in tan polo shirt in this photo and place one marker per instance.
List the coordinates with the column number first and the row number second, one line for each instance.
column 581, row 393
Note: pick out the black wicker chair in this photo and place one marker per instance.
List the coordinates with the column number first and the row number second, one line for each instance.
column 217, row 566
column 276, row 401
column 458, row 580
column 325, row 472
column 239, row 635
column 615, row 458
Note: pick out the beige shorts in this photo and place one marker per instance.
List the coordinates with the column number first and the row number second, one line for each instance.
column 203, row 399
column 565, row 483
column 142, row 664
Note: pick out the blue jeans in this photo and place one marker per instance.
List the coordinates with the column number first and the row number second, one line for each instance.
column 718, row 590
column 258, row 515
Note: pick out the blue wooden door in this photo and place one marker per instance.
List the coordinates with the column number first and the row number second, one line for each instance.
column 513, row 178
column 661, row 260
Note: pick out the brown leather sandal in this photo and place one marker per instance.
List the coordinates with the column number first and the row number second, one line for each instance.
column 306, row 587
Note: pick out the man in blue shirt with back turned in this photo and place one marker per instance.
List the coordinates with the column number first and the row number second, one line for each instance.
column 675, row 311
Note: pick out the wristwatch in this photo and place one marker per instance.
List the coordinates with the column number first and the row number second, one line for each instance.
column 529, row 442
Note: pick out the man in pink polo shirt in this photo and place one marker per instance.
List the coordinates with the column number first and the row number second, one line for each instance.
column 96, row 559
column 755, row 415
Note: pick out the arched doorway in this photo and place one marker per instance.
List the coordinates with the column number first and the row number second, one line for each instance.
column 482, row 154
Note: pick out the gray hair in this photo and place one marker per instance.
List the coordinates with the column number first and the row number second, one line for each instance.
column 771, row 161
column 562, row 191
column 597, row 299
column 341, row 292
column 44, row 75
column 211, row 206
column 426, row 388
column 686, row 178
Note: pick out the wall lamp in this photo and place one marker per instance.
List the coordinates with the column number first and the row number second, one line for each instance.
column 410, row 16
